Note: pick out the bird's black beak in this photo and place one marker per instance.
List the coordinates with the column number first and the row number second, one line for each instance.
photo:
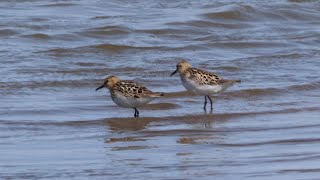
column 174, row 72
column 100, row 87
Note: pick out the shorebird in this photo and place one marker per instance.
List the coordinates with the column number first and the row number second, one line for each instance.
column 201, row 82
column 128, row 94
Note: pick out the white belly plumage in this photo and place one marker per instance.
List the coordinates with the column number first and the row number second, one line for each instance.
column 204, row 90
column 129, row 102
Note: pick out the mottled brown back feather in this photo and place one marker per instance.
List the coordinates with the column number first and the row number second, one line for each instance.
column 130, row 89
column 202, row 77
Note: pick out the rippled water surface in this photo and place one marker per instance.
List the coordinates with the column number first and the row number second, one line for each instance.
column 54, row 125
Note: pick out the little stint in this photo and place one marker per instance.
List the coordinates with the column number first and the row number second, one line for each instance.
column 201, row 82
column 129, row 94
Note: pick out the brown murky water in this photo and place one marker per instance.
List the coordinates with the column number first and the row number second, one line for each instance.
column 53, row 125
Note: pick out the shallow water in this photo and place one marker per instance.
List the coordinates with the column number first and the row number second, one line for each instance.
column 53, row 125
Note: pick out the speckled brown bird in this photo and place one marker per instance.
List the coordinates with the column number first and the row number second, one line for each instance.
column 201, row 82
column 129, row 94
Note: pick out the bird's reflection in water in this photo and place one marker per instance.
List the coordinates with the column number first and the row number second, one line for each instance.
column 129, row 124
column 136, row 124
column 124, row 134
column 196, row 139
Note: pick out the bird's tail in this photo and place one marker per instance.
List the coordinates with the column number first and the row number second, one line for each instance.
column 156, row 94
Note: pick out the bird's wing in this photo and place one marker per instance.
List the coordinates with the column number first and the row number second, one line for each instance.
column 203, row 77
column 132, row 89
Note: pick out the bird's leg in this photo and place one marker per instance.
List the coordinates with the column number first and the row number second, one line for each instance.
column 210, row 102
column 205, row 103
column 136, row 112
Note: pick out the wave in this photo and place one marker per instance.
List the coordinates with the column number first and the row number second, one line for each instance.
column 106, row 30
column 210, row 24
column 104, row 48
column 247, row 93
column 232, row 12
column 7, row 32
column 295, row 141
column 58, row 5
column 306, row 86
column 100, row 17
column 38, row 36
column 116, row 48
column 119, row 48
column 261, row 11
column 240, row 44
